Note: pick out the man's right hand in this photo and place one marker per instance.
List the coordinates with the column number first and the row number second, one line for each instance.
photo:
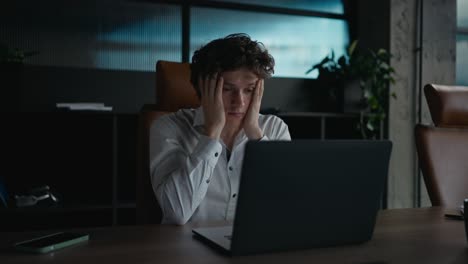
column 211, row 88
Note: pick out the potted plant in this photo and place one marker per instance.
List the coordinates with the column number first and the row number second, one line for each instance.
column 370, row 74
column 11, row 73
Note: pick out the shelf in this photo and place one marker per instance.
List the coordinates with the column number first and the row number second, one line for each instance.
column 126, row 205
column 41, row 209
column 317, row 114
column 322, row 125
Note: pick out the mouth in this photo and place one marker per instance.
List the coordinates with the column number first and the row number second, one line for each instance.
column 235, row 114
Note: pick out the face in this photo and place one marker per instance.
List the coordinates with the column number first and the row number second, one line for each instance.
column 238, row 91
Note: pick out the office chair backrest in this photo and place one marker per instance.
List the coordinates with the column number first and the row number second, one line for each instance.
column 173, row 92
column 443, row 148
column 173, row 88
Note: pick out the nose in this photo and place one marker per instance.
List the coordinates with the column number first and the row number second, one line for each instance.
column 238, row 98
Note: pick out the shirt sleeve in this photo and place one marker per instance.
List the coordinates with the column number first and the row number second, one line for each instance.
column 275, row 129
column 180, row 176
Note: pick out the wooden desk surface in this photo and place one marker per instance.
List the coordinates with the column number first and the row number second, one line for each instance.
column 401, row 236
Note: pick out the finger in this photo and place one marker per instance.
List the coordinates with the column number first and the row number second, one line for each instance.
column 257, row 93
column 253, row 102
column 260, row 89
column 201, row 87
column 219, row 89
column 212, row 85
column 206, row 86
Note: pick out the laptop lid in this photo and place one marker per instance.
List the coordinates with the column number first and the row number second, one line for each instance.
column 308, row 193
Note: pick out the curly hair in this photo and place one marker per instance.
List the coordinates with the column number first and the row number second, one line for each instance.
column 232, row 52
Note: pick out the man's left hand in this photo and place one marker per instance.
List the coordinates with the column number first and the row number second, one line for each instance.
column 251, row 127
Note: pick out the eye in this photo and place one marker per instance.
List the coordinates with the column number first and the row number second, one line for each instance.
column 227, row 89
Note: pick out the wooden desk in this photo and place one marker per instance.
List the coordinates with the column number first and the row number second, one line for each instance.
column 401, row 236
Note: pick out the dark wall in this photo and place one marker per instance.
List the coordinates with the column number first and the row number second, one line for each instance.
column 125, row 91
column 373, row 24
column 128, row 91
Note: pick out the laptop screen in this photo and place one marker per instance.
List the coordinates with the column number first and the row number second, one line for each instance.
column 308, row 193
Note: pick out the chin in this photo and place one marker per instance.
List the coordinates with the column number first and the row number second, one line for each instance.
column 234, row 119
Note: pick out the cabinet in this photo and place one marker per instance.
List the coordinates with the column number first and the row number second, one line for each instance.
column 87, row 158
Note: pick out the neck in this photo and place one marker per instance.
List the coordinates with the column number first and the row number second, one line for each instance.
column 229, row 133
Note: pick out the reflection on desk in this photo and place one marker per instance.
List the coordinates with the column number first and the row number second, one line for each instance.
column 401, row 236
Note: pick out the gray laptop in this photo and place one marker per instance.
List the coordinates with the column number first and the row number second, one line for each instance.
column 303, row 194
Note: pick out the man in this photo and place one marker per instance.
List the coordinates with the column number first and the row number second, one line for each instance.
column 196, row 154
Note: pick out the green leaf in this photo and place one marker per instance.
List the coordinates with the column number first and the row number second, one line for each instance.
column 342, row 61
column 381, row 51
column 352, row 47
column 367, row 94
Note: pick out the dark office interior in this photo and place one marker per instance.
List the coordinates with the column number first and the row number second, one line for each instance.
column 106, row 52
column 80, row 91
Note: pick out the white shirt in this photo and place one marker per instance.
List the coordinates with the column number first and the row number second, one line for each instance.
column 191, row 175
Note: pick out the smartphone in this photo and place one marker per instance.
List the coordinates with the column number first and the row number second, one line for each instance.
column 51, row 242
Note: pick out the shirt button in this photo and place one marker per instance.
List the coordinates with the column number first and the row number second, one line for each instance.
column 234, row 195
column 230, row 168
column 208, row 181
column 216, row 154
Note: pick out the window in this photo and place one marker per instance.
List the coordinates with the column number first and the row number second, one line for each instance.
column 330, row 6
column 296, row 42
column 103, row 35
column 133, row 35
column 136, row 38
column 462, row 42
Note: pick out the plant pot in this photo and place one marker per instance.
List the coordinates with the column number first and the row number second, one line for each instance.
column 352, row 96
column 326, row 97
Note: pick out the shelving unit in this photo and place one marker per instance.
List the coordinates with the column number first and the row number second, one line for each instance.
column 319, row 125
column 315, row 125
column 87, row 158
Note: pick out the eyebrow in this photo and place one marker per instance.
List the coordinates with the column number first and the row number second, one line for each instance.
column 232, row 84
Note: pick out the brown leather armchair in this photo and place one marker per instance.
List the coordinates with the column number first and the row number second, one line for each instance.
column 173, row 92
column 443, row 148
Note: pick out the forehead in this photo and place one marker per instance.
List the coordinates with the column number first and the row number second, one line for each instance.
column 240, row 76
